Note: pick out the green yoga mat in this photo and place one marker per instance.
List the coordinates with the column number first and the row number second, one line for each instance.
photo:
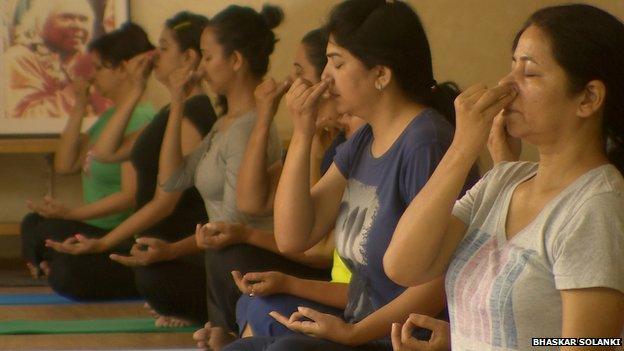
column 89, row 326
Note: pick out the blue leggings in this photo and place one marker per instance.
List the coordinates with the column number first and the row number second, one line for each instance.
column 301, row 343
column 254, row 311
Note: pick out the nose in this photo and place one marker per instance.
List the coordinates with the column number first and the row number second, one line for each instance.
column 325, row 74
column 510, row 79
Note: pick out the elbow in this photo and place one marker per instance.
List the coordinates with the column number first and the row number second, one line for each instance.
column 62, row 168
column 399, row 273
column 288, row 247
column 251, row 208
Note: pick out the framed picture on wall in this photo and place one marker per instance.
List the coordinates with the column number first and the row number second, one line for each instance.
column 43, row 50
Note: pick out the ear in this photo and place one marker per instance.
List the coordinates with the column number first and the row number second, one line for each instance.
column 591, row 98
column 383, row 76
column 191, row 57
column 237, row 60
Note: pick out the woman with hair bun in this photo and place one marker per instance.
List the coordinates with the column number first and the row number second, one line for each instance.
column 236, row 46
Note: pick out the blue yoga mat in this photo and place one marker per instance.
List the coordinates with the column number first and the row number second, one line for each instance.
column 46, row 299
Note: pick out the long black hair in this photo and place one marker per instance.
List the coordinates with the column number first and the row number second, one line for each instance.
column 391, row 34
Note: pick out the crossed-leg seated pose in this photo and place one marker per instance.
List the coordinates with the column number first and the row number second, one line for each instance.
column 163, row 217
column 108, row 189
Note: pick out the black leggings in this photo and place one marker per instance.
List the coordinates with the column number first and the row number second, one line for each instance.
column 83, row 277
column 223, row 292
column 175, row 288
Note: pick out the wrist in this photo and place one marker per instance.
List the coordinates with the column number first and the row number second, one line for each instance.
column 354, row 335
column 247, row 235
column 71, row 214
column 288, row 285
column 171, row 251
column 463, row 154
column 102, row 245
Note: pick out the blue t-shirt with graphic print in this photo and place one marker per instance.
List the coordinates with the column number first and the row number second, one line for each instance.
column 378, row 192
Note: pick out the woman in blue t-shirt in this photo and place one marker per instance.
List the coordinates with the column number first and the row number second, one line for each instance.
column 379, row 68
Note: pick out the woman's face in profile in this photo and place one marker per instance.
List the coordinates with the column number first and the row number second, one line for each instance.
column 302, row 67
column 544, row 106
column 67, row 30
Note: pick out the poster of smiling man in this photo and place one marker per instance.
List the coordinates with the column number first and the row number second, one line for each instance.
column 44, row 50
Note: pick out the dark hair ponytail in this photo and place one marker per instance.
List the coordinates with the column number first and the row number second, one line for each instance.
column 391, row 34
column 187, row 28
column 588, row 43
column 121, row 44
column 315, row 43
column 244, row 30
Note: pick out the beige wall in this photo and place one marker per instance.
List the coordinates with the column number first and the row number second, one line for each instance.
column 470, row 40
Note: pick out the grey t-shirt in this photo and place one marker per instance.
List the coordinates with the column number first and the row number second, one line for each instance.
column 501, row 293
column 213, row 169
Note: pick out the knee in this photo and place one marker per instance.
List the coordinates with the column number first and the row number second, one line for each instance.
column 29, row 224
column 65, row 282
column 146, row 279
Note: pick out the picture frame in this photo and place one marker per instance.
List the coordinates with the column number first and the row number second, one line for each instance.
column 43, row 48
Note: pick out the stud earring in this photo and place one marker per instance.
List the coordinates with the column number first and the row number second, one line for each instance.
column 378, row 86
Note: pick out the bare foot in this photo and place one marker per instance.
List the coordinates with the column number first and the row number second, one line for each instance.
column 201, row 336
column 172, row 322
column 45, row 268
column 33, row 270
column 152, row 311
column 219, row 338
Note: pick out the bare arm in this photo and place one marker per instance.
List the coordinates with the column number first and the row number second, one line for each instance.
column 427, row 299
column 427, row 234
column 73, row 145
column 303, row 216
column 326, row 293
column 112, row 146
column 161, row 206
column 181, row 137
column 257, row 180
column 114, row 203
column 592, row 313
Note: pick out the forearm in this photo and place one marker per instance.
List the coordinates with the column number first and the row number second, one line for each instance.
column 294, row 207
column 420, row 233
column 68, row 150
column 428, row 299
column 316, row 159
column 326, row 293
column 184, row 247
column 266, row 240
column 253, row 186
column 171, row 156
column 107, row 147
column 143, row 219
column 111, row 204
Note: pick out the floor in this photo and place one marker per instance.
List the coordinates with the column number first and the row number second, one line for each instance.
column 121, row 341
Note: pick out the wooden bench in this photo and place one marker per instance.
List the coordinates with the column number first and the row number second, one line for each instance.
column 45, row 145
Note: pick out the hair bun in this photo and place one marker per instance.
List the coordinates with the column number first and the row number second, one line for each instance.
column 272, row 15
